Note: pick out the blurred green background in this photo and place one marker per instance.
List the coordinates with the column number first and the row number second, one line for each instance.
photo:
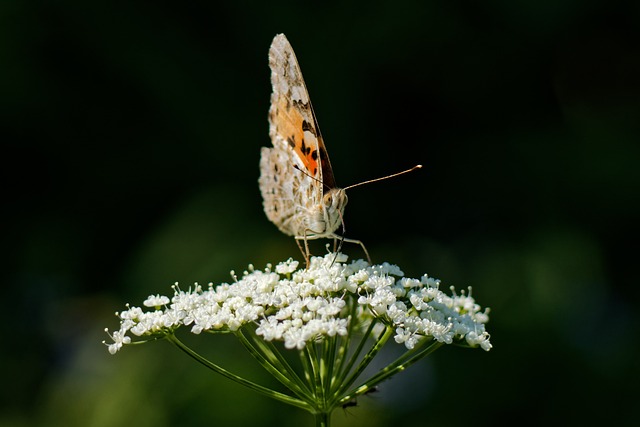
column 131, row 136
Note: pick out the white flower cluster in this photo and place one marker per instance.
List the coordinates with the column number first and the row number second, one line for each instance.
column 297, row 306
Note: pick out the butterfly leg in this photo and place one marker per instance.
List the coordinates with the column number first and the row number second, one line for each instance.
column 305, row 249
column 338, row 241
column 343, row 239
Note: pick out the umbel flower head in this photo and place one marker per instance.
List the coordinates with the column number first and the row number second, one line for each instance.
column 298, row 306
column 335, row 315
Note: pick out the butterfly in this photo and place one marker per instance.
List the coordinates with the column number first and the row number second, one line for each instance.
column 298, row 188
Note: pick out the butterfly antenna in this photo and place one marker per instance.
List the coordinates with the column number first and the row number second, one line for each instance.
column 306, row 173
column 384, row 177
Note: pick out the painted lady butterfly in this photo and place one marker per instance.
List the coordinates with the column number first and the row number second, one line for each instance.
column 296, row 180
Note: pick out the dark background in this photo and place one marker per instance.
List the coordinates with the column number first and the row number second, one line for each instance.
column 131, row 136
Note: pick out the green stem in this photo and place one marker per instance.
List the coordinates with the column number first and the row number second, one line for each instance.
column 329, row 358
column 343, row 347
column 270, row 359
column 312, row 356
column 371, row 354
column 256, row 387
column 322, row 419
column 345, row 369
column 400, row 364
column 306, row 368
column 404, row 361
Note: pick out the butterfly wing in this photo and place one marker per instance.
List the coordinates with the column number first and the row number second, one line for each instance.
column 292, row 121
column 296, row 171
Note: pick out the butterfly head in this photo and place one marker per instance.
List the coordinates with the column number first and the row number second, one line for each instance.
column 334, row 202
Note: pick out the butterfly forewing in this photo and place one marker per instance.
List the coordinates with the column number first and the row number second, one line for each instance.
column 291, row 115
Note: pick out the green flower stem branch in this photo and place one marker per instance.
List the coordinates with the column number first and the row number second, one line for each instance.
column 275, row 363
column 253, row 386
column 322, row 364
column 336, row 316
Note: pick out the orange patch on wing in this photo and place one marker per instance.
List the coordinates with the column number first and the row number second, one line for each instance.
column 289, row 124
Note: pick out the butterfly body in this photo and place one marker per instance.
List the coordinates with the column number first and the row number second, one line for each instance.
column 318, row 216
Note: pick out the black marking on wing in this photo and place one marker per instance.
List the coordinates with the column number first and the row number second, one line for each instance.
column 308, row 127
